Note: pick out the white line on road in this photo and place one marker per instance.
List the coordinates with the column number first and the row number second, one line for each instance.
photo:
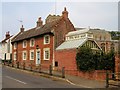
column 16, row 80
column 77, row 84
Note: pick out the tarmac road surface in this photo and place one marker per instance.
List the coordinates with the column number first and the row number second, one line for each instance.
column 12, row 78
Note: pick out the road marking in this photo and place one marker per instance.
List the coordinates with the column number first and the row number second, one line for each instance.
column 77, row 84
column 16, row 80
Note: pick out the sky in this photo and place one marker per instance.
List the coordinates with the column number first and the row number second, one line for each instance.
column 92, row 14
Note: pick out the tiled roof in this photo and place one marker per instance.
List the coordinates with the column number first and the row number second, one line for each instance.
column 6, row 38
column 44, row 29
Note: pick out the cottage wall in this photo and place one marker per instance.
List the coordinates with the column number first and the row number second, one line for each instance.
column 38, row 41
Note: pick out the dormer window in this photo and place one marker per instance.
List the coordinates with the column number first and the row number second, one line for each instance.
column 46, row 39
column 24, row 44
column 15, row 45
column 32, row 43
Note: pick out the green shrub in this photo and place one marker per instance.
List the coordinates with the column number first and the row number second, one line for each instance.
column 88, row 60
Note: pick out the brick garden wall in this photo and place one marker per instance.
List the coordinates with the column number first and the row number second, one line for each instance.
column 94, row 75
column 66, row 58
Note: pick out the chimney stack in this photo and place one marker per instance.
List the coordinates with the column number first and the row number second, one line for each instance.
column 65, row 13
column 7, row 34
column 39, row 22
column 22, row 29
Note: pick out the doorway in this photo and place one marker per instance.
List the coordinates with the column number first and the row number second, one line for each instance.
column 38, row 59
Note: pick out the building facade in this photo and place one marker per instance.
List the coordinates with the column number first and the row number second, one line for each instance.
column 6, row 48
column 103, row 38
column 37, row 45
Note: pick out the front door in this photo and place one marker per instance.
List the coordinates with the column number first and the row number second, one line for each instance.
column 37, row 57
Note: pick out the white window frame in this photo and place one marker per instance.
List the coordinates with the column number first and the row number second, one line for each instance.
column 15, row 56
column 24, row 43
column 30, row 55
column 44, row 54
column 15, row 45
column 48, row 39
column 31, row 42
column 23, row 55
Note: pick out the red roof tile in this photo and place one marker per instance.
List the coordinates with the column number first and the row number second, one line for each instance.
column 47, row 28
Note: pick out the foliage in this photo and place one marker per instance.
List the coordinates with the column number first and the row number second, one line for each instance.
column 87, row 60
column 115, row 35
column 84, row 59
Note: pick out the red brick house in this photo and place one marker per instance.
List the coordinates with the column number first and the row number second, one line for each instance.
column 37, row 44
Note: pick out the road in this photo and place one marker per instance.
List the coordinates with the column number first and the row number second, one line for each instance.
column 12, row 78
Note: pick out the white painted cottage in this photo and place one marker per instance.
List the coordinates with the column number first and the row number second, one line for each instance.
column 6, row 47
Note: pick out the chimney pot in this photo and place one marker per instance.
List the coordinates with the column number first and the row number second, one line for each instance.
column 7, row 34
column 39, row 22
column 65, row 13
column 22, row 29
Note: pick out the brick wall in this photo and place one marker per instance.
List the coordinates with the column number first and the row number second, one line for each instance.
column 61, row 30
column 93, row 75
column 66, row 58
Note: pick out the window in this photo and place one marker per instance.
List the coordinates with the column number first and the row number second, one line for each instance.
column 32, row 43
column 31, row 54
column 24, row 44
column 15, row 56
column 46, row 53
column 100, row 37
column 46, row 39
column 112, row 47
column 24, row 55
column 15, row 45
column 103, row 46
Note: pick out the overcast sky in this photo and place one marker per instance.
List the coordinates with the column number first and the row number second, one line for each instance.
column 82, row 14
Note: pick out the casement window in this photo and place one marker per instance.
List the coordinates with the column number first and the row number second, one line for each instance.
column 46, row 39
column 103, row 46
column 15, row 56
column 24, row 44
column 15, row 45
column 24, row 55
column 32, row 43
column 46, row 53
column 31, row 54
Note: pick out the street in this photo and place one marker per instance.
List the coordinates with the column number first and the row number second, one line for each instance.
column 12, row 78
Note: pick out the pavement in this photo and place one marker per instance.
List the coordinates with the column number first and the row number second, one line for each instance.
column 80, row 82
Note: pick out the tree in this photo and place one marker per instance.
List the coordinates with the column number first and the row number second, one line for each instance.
column 84, row 59
column 115, row 35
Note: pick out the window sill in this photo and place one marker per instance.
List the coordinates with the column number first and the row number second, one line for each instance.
column 46, row 59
